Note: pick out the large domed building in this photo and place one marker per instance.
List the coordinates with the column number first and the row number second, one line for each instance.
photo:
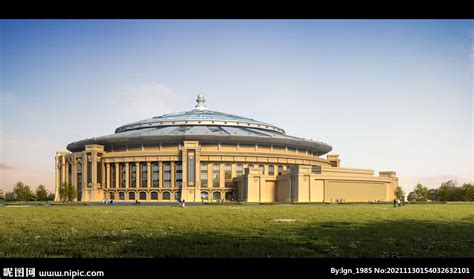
column 205, row 155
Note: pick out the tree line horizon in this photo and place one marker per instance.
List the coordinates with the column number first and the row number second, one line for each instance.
column 23, row 192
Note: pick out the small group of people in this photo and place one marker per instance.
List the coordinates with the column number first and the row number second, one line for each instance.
column 398, row 203
column 110, row 201
column 182, row 203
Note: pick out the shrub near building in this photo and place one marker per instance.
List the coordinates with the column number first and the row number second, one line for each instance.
column 23, row 192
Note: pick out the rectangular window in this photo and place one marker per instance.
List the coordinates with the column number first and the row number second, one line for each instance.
column 271, row 170
column 112, row 175
column 123, row 175
column 216, row 168
column 228, row 175
column 167, row 175
column 239, row 169
column 155, row 175
column 179, row 175
column 204, row 176
column 133, row 175
column 144, row 176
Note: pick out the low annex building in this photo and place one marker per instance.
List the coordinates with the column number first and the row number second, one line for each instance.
column 204, row 155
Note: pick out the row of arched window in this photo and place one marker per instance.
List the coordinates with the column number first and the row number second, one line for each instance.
column 141, row 174
column 217, row 196
column 239, row 170
column 165, row 196
column 143, row 196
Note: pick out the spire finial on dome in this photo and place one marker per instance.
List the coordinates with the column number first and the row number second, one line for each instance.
column 200, row 102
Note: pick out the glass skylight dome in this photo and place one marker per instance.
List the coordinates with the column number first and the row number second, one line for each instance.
column 206, row 126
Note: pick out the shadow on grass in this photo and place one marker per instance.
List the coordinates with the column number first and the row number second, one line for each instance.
column 381, row 239
column 395, row 239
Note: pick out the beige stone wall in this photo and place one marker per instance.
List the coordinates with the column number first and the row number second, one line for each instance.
column 317, row 190
column 283, row 189
column 311, row 179
column 355, row 191
column 303, row 185
column 269, row 191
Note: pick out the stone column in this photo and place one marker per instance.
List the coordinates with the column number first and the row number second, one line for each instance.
column 184, row 171
column 57, row 183
column 161, row 175
column 198, row 173
column 108, row 175
column 148, row 174
column 84, row 173
column 221, row 175
column 127, row 175
column 73, row 174
column 63, row 169
column 117, row 175
column 66, row 173
column 94, row 169
column 209, row 177
column 234, row 170
column 173, row 169
column 103, row 175
column 138, row 175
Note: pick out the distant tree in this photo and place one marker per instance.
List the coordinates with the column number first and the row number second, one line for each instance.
column 10, row 196
column 2, row 195
column 468, row 192
column 449, row 191
column 421, row 192
column 51, row 197
column 411, row 197
column 444, row 193
column 457, row 194
column 23, row 192
column 41, row 193
column 399, row 193
column 433, row 194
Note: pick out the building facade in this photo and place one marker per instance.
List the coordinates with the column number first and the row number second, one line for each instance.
column 204, row 155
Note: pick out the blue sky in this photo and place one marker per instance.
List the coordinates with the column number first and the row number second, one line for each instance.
column 387, row 95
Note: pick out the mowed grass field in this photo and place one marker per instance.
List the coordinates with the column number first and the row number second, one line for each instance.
column 430, row 230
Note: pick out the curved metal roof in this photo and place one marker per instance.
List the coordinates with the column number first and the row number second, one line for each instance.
column 203, row 125
column 199, row 116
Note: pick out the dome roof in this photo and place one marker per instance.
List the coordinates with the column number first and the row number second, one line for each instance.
column 204, row 125
column 199, row 117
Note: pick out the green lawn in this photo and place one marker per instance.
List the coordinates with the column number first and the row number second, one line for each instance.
column 425, row 230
